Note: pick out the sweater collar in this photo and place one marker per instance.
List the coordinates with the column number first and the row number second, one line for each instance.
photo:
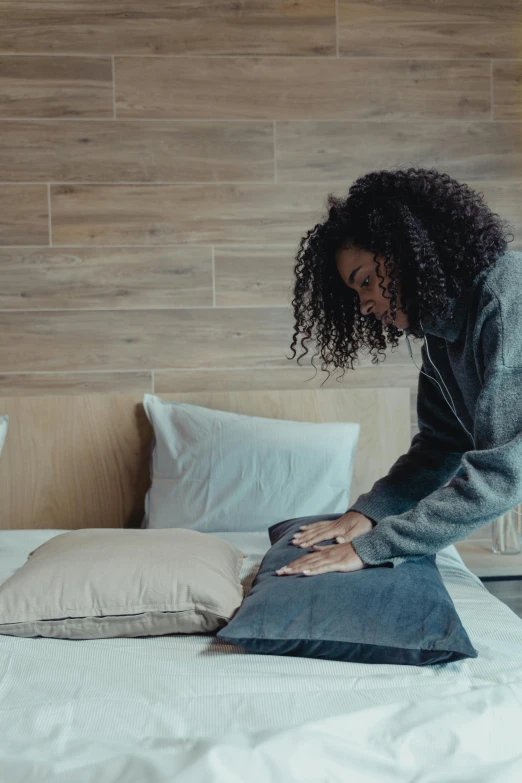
column 451, row 325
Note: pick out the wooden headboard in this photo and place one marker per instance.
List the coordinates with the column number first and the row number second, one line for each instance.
column 83, row 461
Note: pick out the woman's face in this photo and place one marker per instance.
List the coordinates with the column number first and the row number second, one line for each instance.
column 359, row 271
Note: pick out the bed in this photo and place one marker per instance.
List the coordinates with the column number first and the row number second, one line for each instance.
column 192, row 708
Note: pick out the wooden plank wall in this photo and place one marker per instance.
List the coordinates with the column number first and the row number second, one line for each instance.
column 158, row 169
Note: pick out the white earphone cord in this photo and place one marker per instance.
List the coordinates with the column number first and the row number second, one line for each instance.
column 440, row 387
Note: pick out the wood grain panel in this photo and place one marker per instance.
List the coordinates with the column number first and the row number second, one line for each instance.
column 303, row 27
column 390, row 375
column 136, row 151
column 144, row 339
column 252, row 141
column 192, row 338
column 393, row 372
column 55, row 86
column 105, row 277
column 200, row 214
column 505, row 198
column 408, row 28
column 82, row 461
column 74, row 461
column 49, row 383
column 24, row 216
column 387, row 375
column 254, row 275
column 282, row 88
column 317, row 151
column 215, row 214
column 506, row 90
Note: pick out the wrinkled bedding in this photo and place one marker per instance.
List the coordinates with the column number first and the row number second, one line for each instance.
column 192, row 708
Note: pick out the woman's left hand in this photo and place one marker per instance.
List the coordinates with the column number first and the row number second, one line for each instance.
column 332, row 557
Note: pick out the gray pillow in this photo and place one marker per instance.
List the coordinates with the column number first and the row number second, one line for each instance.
column 402, row 615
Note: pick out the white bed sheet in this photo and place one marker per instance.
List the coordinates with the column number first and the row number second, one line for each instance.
column 191, row 708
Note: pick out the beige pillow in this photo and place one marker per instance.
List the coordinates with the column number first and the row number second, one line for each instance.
column 98, row 583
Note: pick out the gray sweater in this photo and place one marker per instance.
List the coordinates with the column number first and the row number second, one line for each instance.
column 445, row 487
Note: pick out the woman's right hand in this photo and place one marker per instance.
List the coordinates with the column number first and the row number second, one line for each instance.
column 344, row 529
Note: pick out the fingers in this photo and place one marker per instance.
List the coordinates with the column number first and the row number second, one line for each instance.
column 316, row 532
column 319, row 547
column 308, row 561
column 312, row 534
column 316, row 560
column 321, row 567
column 332, row 557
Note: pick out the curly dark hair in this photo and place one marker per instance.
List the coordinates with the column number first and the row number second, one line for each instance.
column 435, row 235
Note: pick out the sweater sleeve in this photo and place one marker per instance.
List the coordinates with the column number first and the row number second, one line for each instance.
column 433, row 458
column 492, row 480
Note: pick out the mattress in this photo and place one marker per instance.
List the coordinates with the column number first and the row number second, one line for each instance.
column 191, row 708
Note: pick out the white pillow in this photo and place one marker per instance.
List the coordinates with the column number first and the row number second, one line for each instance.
column 97, row 583
column 4, row 424
column 216, row 471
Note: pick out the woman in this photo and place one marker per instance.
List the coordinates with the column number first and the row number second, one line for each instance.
column 414, row 251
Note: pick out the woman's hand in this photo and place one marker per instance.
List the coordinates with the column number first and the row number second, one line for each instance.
column 333, row 557
column 344, row 529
